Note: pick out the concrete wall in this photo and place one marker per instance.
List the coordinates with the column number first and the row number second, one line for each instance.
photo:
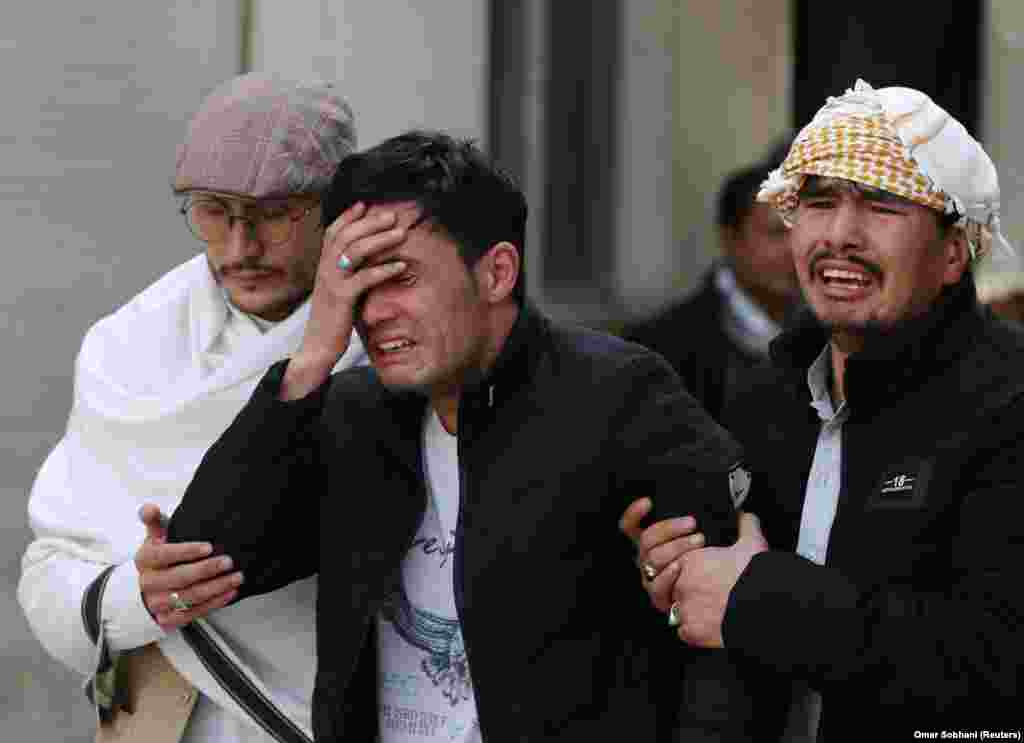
column 96, row 96
column 733, row 93
column 401, row 63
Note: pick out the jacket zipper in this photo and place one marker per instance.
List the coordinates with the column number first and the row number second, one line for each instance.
column 457, row 582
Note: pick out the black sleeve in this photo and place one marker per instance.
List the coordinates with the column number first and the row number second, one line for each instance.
column 702, row 385
column 256, row 494
column 671, row 450
column 957, row 638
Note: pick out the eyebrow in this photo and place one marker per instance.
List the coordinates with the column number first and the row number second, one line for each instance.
column 818, row 187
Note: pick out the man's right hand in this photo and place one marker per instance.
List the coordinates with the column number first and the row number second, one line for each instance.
column 184, row 568
column 658, row 548
column 357, row 236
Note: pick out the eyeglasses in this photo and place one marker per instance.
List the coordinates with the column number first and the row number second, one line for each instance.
column 211, row 219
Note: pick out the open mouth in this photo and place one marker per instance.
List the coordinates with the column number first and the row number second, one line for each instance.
column 838, row 278
column 394, row 346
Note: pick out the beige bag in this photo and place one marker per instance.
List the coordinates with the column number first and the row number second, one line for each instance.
column 159, row 700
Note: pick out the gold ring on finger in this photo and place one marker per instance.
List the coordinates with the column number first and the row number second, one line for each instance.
column 345, row 263
column 650, row 573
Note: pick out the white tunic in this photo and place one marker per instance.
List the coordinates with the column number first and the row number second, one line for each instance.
column 156, row 383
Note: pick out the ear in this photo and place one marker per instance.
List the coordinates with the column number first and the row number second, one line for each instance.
column 956, row 254
column 728, row 237
column 497, row 272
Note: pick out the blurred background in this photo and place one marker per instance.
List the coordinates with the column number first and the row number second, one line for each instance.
column 619, row 117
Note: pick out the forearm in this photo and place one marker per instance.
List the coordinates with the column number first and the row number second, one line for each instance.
column 673, row 452
column 811, row 621
column 305, row 373
column 254, row 495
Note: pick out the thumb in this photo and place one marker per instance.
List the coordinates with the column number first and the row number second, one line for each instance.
column 154, row 521
column 750, row 528
column 629, row 524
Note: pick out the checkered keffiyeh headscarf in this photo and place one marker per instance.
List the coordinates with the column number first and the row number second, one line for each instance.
column 263, row 137
column 900, row 141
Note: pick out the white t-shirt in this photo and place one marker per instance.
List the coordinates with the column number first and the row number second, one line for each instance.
column 426, row 691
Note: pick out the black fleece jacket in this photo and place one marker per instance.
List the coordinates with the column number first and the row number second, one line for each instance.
column 914, row 623
column 567, row 429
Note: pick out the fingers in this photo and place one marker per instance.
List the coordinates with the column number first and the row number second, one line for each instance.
column 361, row 238
column 347, row 217
column 666, row 531
column 629, row 524
column 669, row 552
column 168, row 618
column 660, row 589
column 183, row 575
column 750, row 525
column 366, row 278
column 154, row 521
column 159, row 556
column 195, row 593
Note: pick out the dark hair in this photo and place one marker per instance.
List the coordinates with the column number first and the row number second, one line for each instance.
column 454, row 184
column 738, row 191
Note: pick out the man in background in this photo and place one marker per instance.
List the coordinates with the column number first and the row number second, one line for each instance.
column 156, row 382
column 714, row 336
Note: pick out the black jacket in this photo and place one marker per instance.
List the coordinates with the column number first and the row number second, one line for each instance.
column 691, row 337
column 914, row 623
column 568, row 428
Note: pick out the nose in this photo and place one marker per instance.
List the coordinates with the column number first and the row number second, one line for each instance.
column 845, row 226
column 376, row 307
column 241, row 242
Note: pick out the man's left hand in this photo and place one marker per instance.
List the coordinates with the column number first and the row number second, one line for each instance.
column 706, row 578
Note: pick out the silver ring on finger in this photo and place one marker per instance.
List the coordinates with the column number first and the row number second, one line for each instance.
column 346, row 264
column 180, row 604
column 674, row 615
column 649, row 571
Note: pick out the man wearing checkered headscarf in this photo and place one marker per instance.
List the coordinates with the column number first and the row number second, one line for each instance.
column 155, row 383
column 877, row 590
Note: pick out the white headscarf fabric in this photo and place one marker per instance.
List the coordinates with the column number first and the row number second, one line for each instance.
column 935, row 162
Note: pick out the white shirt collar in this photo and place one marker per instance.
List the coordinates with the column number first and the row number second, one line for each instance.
column 747, row 324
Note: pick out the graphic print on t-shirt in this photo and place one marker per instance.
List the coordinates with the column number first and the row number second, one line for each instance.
column 440, row 638
column 426, row 689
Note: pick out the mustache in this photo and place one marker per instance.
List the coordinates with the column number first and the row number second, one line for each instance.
column 244, row 265
column 825, row 254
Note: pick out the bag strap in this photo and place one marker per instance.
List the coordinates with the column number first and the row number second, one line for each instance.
column 240, row 687
column 91, row 601
column 217, row 659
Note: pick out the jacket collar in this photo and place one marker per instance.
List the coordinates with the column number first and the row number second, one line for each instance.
column 516, row 361
column 512, row 369
column 895, row 361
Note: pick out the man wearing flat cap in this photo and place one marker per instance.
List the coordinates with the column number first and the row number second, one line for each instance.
column 155, row 383
column 882, row 572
